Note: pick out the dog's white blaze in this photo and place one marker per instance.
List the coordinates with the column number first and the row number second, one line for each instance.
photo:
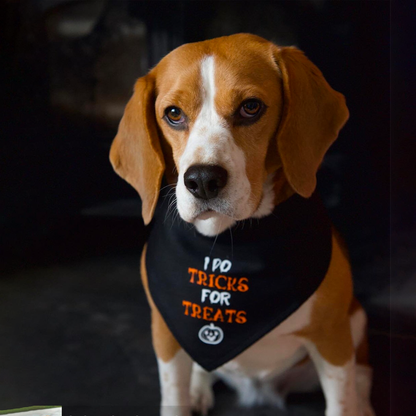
column 210, row 142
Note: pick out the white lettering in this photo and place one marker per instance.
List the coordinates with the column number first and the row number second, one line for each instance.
column 225, row 298
column 215, row 264
column 206, row 262
column 225, row 266
column 215, row 296
column 204, row 294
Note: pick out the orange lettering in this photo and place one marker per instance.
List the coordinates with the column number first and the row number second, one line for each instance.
column 217, row 285
column 242, row 287
column 193, row 273
column 187, row 304
column 241, row 317
column 211, row 280
column 231, row 284
column 218, row 316
column 207, row 313
column 202, row 278
column 196, row 311
column 230, row 313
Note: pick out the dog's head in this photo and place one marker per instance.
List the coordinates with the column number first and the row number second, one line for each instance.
column 223, row 117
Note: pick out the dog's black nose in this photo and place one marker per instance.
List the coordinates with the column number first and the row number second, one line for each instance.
column 205, row 181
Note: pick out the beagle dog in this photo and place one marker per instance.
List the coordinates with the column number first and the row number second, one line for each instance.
column 236, row 127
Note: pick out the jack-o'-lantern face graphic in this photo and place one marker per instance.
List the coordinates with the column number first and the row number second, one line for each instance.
column 211, row 334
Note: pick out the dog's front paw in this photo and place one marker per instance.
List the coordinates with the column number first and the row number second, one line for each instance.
column 175, row 411
column 202, row 399
column 202, row 395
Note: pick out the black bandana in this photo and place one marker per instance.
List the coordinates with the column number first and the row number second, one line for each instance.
column 219, row 295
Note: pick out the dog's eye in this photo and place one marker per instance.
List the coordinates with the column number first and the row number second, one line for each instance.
column 174, row 115
column 250, row 108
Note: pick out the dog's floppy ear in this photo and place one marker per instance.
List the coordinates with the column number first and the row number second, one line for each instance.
column 136, row 153
column 313, row 114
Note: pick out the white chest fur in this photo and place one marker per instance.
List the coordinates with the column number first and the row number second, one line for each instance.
column 276, row 351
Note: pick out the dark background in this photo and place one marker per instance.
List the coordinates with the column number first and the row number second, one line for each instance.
column 74, row 323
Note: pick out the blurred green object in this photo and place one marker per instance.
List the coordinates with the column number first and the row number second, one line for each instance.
column 25, row 409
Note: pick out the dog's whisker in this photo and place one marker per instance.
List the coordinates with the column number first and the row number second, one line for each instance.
column 171, row 207
column 169, row 215
column 171, row 197
column 170, row 194
column 176, row 218
column 172, row 201
column 232, row 243
column 173, row 215
column 169, row 185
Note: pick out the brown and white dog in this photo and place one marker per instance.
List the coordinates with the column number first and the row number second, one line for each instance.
column 267, row 115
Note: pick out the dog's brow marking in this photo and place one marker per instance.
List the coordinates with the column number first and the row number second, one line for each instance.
column 208, row 86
